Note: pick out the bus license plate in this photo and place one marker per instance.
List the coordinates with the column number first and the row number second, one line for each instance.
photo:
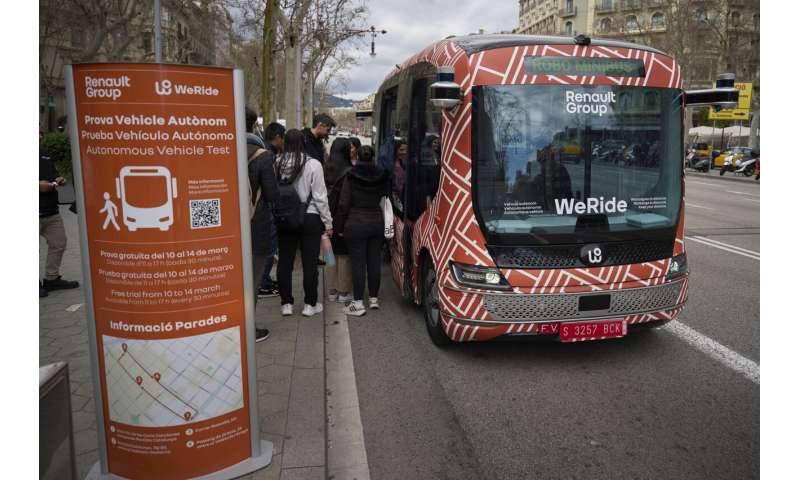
column 576, row 332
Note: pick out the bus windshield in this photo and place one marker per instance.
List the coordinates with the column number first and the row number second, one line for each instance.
column 146, row 191
column 576, row 163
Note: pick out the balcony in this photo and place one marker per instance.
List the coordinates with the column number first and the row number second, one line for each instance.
column 605, row 6
column 656, row 3
column 626, row 5
column 570, row 11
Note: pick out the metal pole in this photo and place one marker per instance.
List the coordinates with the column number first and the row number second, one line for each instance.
column 157, row 29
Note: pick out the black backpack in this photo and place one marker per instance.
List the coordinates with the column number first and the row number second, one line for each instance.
column 289, row 211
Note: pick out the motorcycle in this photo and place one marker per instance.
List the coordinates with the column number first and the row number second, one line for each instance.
column 696, row 162
column 747, row 167
column 741, row 166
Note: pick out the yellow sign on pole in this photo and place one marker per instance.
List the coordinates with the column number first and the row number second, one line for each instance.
column 741, row 113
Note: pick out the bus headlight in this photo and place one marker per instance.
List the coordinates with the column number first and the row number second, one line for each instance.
column 479, row 277
column 678, row 265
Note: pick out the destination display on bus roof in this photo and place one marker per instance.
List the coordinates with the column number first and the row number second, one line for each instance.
column 600, row 67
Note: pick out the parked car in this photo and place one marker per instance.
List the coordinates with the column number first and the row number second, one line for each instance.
column 702, row 149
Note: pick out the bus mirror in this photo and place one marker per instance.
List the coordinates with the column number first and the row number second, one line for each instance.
column 723, row 96
column 445, row 93
column 362, row 114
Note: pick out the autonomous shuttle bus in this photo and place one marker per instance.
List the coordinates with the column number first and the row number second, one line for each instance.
column 146, row 195
column 538, row 185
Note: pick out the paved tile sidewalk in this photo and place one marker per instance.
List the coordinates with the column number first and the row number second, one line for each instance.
column 291, row 379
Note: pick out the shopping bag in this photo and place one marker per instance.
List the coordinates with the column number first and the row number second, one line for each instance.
column 327, row 251
column 388, row 217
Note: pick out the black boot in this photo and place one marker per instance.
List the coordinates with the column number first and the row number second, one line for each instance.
column 59, row 284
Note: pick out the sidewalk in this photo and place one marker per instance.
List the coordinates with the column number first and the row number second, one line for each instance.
column 291, row 373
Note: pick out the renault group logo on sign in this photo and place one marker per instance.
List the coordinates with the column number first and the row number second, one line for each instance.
column 166, row 88
column 592, row 255
column 105, row 87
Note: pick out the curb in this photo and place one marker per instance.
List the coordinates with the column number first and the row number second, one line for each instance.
column 729, row 177
column 346, row 455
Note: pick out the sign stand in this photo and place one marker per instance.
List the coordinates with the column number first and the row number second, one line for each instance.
column 162, row 190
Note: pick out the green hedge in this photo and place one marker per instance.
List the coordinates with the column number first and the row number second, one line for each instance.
column 57, row 146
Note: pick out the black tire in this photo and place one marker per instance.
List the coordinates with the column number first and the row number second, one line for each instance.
column 430, row 305
column 722, row 172
column 748, row 172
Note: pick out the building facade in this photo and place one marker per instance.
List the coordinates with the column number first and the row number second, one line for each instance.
column 196, row 32
column 708, row 37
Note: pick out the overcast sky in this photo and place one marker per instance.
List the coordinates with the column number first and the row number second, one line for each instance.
column 413, row 25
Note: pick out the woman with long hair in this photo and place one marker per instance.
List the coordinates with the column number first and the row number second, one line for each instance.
column 338, row 278
column 305, row 175
column 355, row 144
column 359, row 218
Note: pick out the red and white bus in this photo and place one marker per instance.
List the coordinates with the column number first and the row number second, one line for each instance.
column 538, row 185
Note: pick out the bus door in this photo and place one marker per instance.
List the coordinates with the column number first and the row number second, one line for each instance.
column 422, row 170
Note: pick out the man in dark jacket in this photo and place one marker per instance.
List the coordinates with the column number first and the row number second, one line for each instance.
column 264, row 191
column 273, row 139
column 51, row 227
column 315, row 136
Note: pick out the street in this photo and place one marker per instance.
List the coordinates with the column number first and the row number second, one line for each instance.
column 666, row 403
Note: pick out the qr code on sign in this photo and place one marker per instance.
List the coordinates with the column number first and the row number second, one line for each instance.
column 205, row 213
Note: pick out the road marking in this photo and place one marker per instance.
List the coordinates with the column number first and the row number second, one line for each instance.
column 347, row 453
column 726, row 247
column 698, row 206
column 705, row 183
column 717, row 351
column 752, row 252
column 750, row 200
column 743, row 193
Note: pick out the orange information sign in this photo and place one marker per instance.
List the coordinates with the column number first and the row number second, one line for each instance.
column 158, row 167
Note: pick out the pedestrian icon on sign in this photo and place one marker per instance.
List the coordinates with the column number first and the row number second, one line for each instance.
column 110, row 209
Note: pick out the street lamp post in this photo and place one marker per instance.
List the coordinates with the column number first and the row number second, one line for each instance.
column 374, row 33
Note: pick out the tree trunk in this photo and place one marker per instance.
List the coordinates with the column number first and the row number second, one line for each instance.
column 308, row 100
column 294, row 108
column 267, row 99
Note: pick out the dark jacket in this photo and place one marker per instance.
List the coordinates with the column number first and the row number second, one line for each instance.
column 359, row 202
column 313, row 145
column 261, row 171
column 48, row 201
column 334, row 193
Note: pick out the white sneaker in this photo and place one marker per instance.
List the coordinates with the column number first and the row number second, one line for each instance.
column 311, row 310
column 345, row 298
column 373, row 303
column 332, row 295
column 286, row 309
column 355, row 309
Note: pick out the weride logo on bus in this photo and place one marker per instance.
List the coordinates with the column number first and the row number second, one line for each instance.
column 166, row 87
column 591, row 205
column 106, row 87
column 595, row 103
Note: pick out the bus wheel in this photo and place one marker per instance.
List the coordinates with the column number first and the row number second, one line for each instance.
column 430, row 303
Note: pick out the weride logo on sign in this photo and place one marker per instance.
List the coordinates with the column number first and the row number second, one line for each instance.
column 167, row 88
column 106, row 87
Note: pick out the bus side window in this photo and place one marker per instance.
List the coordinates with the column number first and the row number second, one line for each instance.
column 431, row 153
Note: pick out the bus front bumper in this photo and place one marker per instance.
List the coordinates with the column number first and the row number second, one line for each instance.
column 514, row 314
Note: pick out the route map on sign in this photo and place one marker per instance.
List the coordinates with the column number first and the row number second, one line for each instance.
column 169, row 382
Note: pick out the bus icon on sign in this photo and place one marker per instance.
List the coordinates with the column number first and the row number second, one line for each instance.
column 146, row 195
